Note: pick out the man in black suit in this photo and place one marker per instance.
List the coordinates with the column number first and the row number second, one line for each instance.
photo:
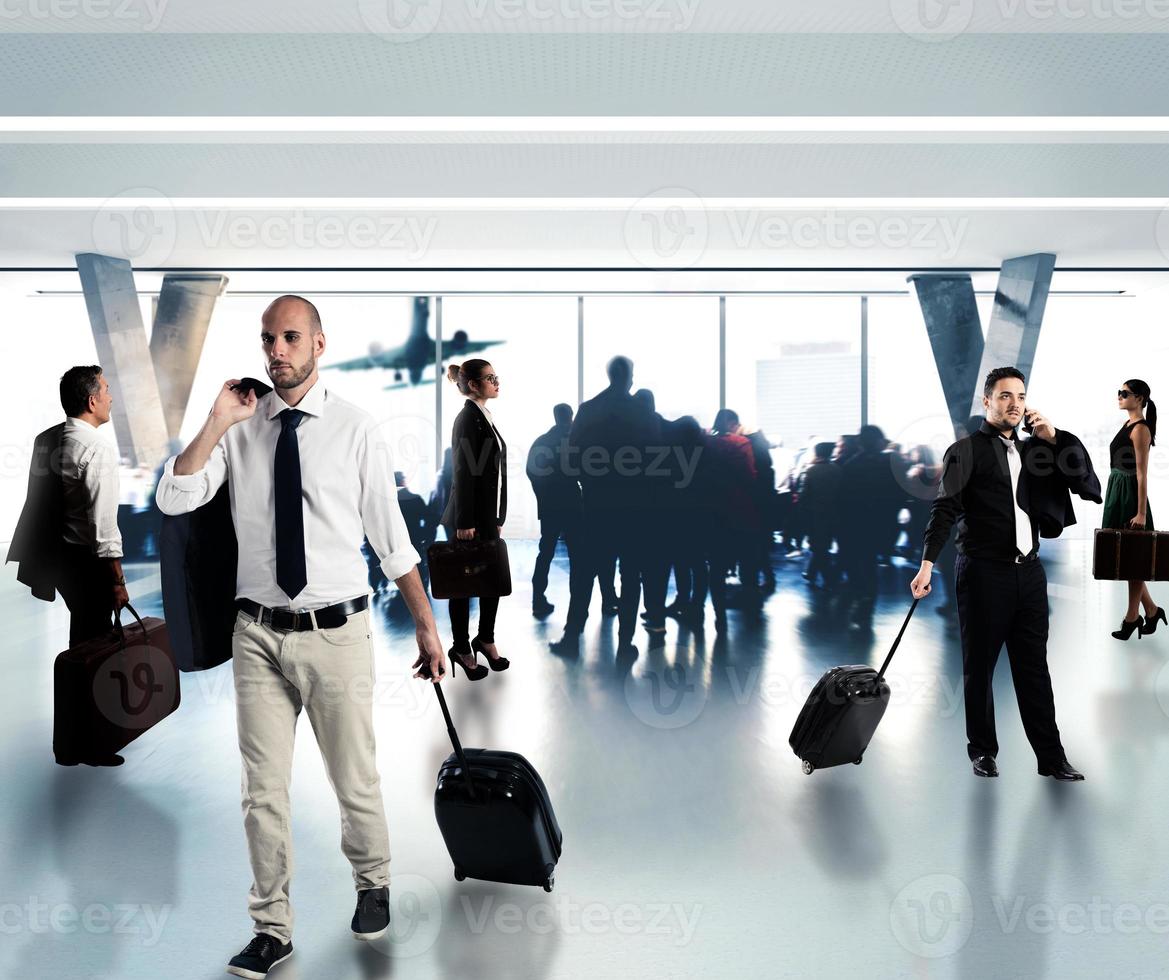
column 557, row 502
column 610, row 438
column 992, row 490
column 420, row 521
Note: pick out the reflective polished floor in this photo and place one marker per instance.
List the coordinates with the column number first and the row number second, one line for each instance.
column 693, row 843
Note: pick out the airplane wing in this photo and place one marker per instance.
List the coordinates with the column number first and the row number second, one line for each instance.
column 394, row 358
column 408, row 384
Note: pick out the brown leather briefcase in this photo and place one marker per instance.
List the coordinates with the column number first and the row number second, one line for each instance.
column 110, row 689
column 1123, row 555
column 469, row 569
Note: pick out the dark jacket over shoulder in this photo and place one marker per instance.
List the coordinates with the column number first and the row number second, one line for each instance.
column 36, row 542
column 480, row 466
column 975, row 491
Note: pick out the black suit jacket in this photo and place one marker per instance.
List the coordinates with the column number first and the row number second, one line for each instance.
column 36, row 542
column 479, row 467
column 557, row 493
column 198, row 554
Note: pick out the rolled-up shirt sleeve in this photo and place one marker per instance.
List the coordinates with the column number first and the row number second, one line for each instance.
column 380, row 514
column 101, row 483
column 183, row 494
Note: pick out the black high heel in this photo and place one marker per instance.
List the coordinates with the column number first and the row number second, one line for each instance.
column 1128, row 627
column 475, row 673
column 496, row 663
column 1150, row 623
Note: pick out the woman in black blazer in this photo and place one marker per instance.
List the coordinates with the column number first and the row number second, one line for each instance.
column 477, row 505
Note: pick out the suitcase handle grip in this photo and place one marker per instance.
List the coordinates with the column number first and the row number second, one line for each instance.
column 118, row 624
column 884, row 666
column 450, row 730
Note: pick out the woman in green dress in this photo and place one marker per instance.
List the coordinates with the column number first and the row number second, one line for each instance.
column 1126, row 501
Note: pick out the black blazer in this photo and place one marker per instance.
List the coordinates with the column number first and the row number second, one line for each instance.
column 36, row 542
column 479, row 468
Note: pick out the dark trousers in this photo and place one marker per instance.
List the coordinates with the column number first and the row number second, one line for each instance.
column 552, row 528
column 88, row 591
column 1001, row 602
column 656, row 572
column 460, row 609
column 607, row 537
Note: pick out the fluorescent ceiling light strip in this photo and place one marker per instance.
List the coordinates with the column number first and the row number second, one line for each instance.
column 651, row 203
column 583, row 124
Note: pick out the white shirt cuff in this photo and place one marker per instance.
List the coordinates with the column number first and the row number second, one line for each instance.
column 186, row 481
column 400, row 562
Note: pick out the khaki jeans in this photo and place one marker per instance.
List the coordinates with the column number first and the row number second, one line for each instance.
column 330, row 673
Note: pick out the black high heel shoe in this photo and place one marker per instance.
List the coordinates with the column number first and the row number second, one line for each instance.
column 474, row 673
column 1128, row 627
column 1150, row 623
column 495, row 663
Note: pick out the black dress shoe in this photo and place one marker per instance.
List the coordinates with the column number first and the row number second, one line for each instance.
column 542, row 608
column 1150, row 623
column 1130, row 626
column 495, row 663
column 258, row 957
column 1061, row 770
column 567, row 646
column 371, row 918
column 985, row 765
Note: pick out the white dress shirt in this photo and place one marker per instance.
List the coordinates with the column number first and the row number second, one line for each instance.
column 498, row 482
column 1022, row 520
column 89, row 471
column 347, row 477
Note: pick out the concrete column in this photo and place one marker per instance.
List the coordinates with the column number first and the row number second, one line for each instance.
column 955, row 334
column 114, row 314
column 1019, row 301
column 182, row 315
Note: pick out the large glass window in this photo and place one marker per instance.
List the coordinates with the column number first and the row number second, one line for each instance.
column 673, row 341
column 793, row 368
column 533, row 351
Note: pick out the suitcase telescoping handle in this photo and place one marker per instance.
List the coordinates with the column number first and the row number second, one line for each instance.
column 450, row 730
column 884, row 666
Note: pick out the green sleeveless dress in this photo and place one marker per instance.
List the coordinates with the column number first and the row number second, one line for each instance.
column 1120, row 498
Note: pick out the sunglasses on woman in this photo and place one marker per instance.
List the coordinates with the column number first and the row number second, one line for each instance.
column 1123, row 393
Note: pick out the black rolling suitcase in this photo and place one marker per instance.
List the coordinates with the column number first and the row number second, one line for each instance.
column 842, row 712
column 495, row 816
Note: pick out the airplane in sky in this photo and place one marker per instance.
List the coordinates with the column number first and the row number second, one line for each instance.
column 414, row 356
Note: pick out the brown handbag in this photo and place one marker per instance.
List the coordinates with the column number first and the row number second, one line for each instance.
column 1130, row 555
column 469, row 569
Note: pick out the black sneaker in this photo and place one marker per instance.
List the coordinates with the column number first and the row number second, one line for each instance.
column 371, row 918
column 259, row 956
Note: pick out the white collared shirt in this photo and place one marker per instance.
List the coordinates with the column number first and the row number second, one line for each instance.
column 491, row 422
column 1022, row 520
column 89, row 471
column 347, row 477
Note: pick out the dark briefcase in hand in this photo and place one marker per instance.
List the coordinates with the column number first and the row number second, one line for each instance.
column 110, row 689
column 1122, row 555
column 469, row 569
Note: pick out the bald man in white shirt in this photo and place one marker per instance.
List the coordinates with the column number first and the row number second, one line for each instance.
column 309, row 478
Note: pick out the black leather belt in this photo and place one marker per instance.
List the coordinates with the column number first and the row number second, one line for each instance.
column 1026, row 559
column 330, row 617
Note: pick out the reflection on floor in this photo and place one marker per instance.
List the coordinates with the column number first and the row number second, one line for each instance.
column 694, row 846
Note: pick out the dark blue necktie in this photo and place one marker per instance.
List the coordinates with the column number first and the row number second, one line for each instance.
column 291, row 573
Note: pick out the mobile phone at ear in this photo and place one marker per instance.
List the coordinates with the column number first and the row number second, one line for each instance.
column 1027, row 426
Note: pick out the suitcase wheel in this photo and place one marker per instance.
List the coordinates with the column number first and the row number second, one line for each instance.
column 808, row 768
column 459, row 874
column 550, row 871
column 548, row 884
column 858, row 760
